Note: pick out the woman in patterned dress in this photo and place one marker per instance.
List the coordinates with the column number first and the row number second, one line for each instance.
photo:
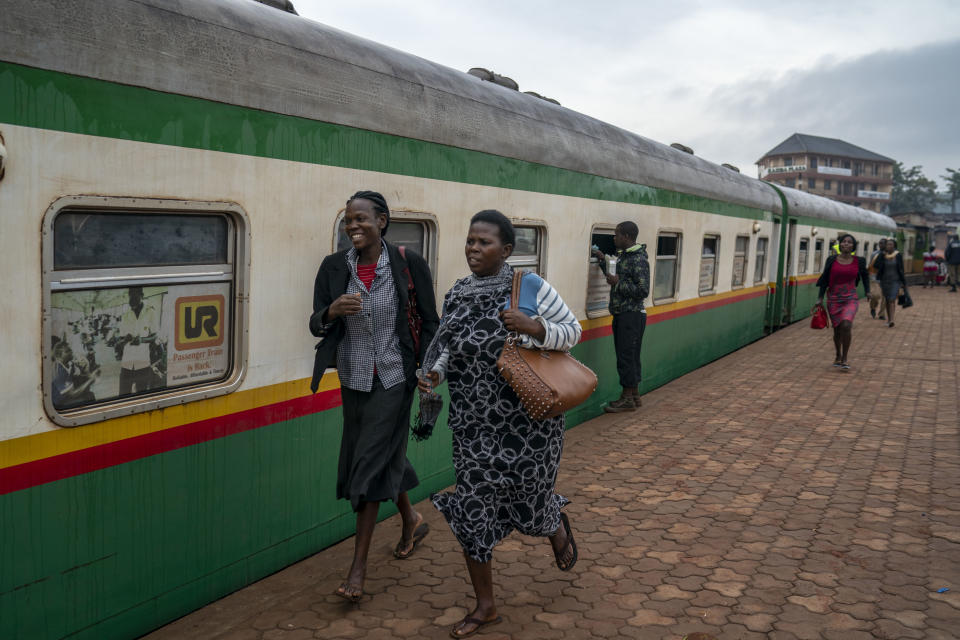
column 841, row 275
column 505, row 462
column 930, row 267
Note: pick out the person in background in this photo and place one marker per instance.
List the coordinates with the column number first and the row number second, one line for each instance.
column 628, row 288
column 952, row 258
column 72, row 379
column 138, row 331
column 360, row 312
column 505, row 462
column 876, row 295
column 891, row 276
column 841, row 275
column 930, row 267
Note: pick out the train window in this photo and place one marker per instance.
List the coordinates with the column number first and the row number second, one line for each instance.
column 740, row 255
column 667, row 270
column 708, row 264
column 528, row 249
column 818, row 255
column 802, row 255
column 145, row 304
column 412, row 230
column 760, row 267
column 598, row 291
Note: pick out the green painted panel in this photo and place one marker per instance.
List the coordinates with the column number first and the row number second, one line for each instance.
column 120, row 551
column 49, row 100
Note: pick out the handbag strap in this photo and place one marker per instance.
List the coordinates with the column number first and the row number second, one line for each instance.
column 515, row 293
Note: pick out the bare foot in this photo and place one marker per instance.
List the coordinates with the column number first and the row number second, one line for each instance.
column 411, row 535
column 352, row 588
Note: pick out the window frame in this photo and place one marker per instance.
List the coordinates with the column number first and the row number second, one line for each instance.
column 803, row 255
column 540, row 265
column 757, row 262
column 425, row 218
column 597, row 313
column 238, row 251
column 746, row 262
column 818, row 254
column 716, row 265
column 677, row 267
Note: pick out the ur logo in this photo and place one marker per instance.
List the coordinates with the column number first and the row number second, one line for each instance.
column 199, row 322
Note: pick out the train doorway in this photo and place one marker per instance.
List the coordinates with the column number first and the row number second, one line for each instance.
column 789, row 278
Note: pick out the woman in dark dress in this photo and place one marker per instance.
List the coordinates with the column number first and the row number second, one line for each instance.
column 841, row 275
column 505, row 462
column 890, row 274
column 360, row 312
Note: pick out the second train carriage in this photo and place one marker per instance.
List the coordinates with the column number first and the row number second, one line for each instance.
column 195, row 157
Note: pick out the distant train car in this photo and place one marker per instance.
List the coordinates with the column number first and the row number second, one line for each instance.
column 175, row 172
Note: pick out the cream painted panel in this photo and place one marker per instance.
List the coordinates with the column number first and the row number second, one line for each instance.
column 292, row 209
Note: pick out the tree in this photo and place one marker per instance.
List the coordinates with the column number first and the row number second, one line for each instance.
column 953, row 187
column 912, row 191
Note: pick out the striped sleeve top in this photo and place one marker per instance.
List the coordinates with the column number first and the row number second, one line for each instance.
column 540, row 301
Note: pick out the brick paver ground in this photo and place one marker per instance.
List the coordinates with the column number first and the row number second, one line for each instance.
column 766, row 495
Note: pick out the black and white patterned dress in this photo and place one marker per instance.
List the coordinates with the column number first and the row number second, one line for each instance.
column 506, row 463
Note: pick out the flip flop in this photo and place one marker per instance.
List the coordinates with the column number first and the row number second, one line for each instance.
column 418, row 535
column 480, row 624
column 570, row 543
column 342, row 592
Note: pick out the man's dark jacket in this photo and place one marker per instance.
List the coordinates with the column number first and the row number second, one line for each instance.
column 952, row 255
column 331, row 283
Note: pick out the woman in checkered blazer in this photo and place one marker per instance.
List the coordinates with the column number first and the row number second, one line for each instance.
column 374, row 311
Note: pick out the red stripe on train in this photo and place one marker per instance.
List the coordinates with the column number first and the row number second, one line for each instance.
column 653, row 318
column 37, row 472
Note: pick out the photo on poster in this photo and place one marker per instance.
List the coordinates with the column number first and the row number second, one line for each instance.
column 109, row 344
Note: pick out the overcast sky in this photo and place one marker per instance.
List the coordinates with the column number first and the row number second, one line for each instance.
column 731, row 79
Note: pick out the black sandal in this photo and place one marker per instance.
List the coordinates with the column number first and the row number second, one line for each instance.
column 418, row 535
column 478, row 624
column 570, row 543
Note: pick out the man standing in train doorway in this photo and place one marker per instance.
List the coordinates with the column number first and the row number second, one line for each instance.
column 628, row 288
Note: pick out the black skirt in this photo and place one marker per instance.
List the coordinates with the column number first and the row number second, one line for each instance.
column 373, row 448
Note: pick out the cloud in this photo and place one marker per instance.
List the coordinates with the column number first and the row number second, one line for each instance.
column 902, row 104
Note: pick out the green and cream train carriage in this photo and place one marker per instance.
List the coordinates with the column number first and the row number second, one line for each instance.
column 191, row 160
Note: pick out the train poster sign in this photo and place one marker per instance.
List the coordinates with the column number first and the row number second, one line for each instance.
column 108, row 344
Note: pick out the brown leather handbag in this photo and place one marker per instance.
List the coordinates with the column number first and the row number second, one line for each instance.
column 547, row 382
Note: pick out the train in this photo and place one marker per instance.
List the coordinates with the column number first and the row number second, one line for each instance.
column 176, row 171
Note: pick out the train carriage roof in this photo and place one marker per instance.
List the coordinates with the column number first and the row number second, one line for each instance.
column 244, row 53
column 801, row 203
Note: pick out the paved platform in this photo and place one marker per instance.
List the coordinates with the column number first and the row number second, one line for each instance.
column 765, row 496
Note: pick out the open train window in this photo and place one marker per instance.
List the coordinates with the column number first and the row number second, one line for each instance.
column 598, row 291
column 143, row 304
column 413, row 230
column 708, row 264
column 667, row 271
column 802, row 255
column 741, row 251
column 528, row 249
column 760, row 267
column 817, row 255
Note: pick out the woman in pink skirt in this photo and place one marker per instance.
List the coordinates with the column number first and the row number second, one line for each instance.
column 840, row 276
